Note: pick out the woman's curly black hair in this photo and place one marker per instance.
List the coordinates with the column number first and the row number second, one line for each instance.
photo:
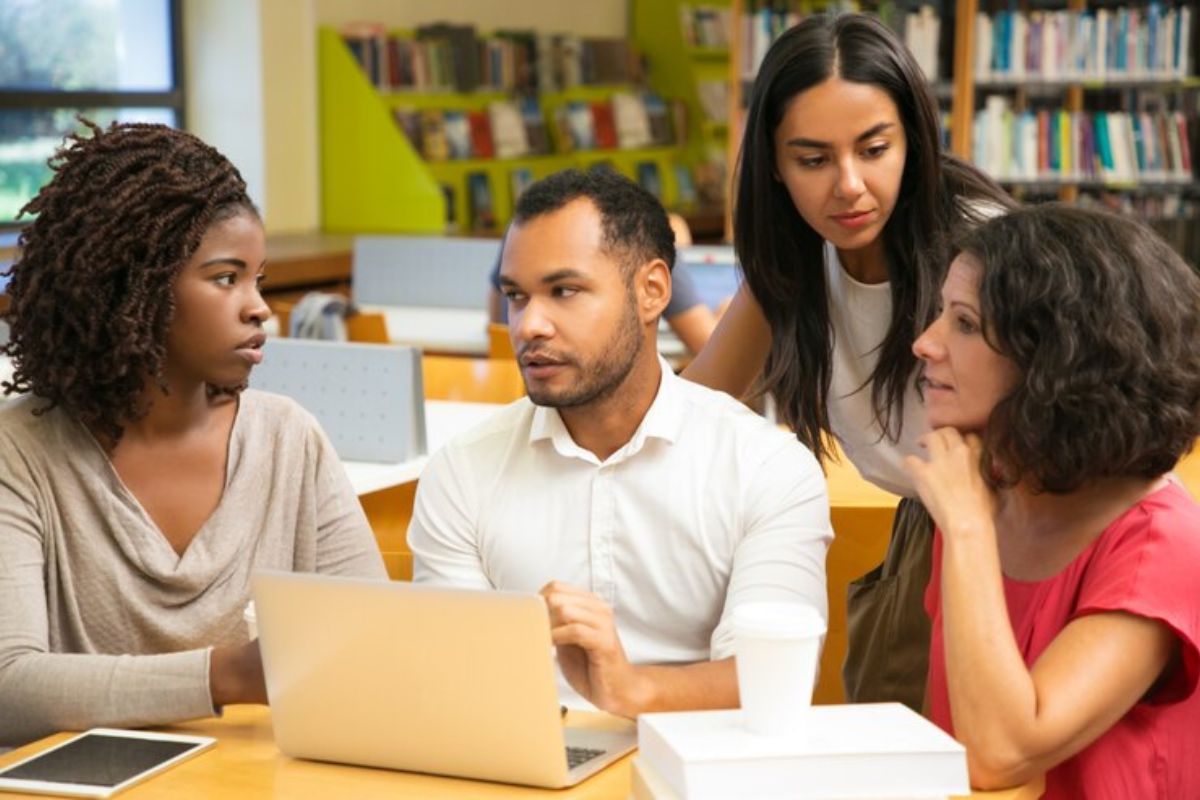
column 1102, row 318
column 91, row 288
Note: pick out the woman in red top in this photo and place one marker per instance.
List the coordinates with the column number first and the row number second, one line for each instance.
column 1062, row 382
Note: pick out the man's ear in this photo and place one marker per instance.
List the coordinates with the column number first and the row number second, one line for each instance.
column 653, row 289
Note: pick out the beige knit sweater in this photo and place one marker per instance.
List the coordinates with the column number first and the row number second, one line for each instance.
column 101, row 621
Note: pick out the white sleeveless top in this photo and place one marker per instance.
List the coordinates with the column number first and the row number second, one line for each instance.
column 859, row 315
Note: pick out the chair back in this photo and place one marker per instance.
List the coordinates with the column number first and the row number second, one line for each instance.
column 499, row 343
column 472, row 380
column 429, row 271
column 368, row 398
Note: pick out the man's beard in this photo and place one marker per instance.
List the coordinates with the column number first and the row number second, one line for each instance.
column 599, row 379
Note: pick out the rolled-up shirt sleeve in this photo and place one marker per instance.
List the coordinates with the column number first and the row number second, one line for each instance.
column 443, row 534
column 787, row 532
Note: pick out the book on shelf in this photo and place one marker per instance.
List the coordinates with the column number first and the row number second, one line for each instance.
column 459, row 60
column 685, row 188
column 511, row 64
column 535, row 126
column 480, row 127
column 867, row 750
column 632, row 121
column 714, row 99
column 458, row 133
column 434, row 144
column 479, row 196
column 449, row 196
column 658, row 117
column 649, row 178
column 581, row 125
column 705, row 26
column 603, row 125
column 408, row 120
column 454, row 58
column 923, row 35
column 509, row 136
column 608, row 61
column 367, row 42
column 1054, row 145
column 519, row 179
column 1107, row 44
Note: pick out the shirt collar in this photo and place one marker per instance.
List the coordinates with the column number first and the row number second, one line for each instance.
column 663, row 420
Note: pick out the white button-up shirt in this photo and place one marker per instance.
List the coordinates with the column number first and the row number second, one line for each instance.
column 706, row 507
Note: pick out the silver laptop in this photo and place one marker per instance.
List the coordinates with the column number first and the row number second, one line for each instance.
column 446, row 681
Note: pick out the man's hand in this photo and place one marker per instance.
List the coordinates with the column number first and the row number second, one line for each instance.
column 590, row 652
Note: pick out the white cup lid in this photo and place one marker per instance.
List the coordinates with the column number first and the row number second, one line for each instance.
column 782, row 620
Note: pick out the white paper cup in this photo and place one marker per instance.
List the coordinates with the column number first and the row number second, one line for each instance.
column 777, row 646
column 251, row 620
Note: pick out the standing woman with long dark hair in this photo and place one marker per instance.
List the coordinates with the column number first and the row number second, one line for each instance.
column 845, row 208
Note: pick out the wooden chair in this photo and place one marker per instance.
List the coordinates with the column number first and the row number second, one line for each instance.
column 367, row 328
column 499, row 344
column 472, row 380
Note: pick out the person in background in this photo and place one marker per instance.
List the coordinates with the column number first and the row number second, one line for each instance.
column 141, row 483
column 845, row 206
column 1062, row 383
column 687, row 314
column 646, row 509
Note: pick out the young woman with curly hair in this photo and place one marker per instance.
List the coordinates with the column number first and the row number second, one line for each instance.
column 1062, row 381
column 846, row 207
column 140, row 485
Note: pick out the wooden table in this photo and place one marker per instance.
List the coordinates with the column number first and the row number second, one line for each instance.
column 246, row 764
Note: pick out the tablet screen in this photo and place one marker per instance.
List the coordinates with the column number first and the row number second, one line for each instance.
column 99, row 760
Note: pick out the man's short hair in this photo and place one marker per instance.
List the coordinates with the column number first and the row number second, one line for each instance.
column 634, row 224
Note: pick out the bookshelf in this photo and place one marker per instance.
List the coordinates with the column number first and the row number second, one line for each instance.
column 373, row 179
column 689, row 45
column 1095, row 103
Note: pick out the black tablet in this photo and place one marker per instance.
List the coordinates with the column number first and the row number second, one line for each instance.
column 100, row 762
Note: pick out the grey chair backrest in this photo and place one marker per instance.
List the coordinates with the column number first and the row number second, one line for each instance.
column 431, row 271
column 369, row 398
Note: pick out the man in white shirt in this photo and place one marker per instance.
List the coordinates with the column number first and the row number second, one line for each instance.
column 643, row 507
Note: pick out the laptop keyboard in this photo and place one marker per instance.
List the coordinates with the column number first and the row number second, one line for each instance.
column 581, row 755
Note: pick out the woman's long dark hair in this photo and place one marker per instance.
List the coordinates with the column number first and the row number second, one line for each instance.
column 782, row 256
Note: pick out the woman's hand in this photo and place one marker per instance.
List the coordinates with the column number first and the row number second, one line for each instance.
column 951, row 484
column 235, row 675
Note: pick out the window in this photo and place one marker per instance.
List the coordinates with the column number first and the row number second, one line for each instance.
column 105, row 60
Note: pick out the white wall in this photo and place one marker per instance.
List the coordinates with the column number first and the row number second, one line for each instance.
column 224, row 72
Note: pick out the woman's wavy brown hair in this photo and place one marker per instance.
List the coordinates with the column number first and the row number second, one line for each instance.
column 91, row 288
column 1102, row 318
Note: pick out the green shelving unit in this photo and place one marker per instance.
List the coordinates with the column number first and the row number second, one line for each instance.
column 676, row 68
column 372, row 180
column 375, row 181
